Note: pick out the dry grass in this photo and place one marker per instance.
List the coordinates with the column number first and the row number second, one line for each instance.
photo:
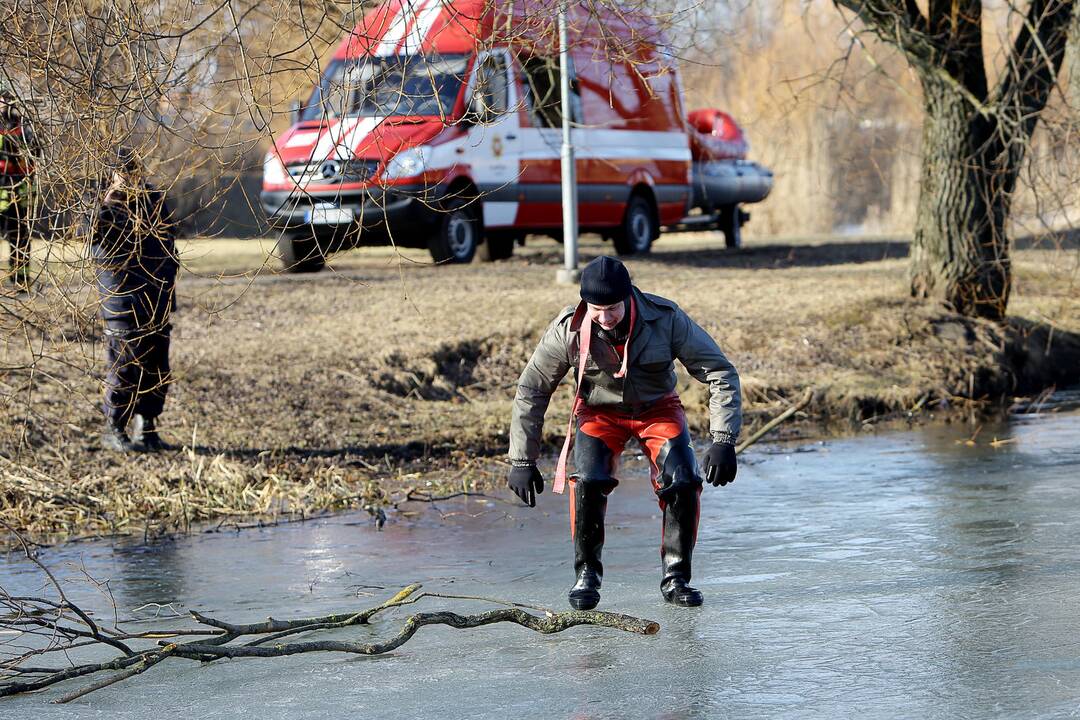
column 300, row 393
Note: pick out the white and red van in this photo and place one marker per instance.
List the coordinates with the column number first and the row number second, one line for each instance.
column 437, row 125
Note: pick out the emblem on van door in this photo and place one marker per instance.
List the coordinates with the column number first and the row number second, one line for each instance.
column 329, row 169
column 496, row 146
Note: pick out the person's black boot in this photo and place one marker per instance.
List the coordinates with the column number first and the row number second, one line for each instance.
column 115, row 438
column 585, row 595
column 677, row 547
column 144, row 435
column 590, row 505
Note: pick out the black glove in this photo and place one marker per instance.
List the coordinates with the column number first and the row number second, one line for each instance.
column 719, row 465
column 526, row 482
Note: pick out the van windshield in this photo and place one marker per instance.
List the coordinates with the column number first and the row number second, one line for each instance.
column 400, row 85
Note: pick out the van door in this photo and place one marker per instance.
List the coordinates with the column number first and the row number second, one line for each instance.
column 541, row 144
column 493, row 146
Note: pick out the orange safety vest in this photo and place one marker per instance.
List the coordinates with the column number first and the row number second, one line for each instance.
column 15, row 167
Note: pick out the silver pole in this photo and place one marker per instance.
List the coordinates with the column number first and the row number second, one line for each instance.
column 569, row 273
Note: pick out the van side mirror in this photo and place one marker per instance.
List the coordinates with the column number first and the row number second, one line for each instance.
column 479, row 112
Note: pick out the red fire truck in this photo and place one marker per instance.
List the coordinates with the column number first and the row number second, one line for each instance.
column 437, row 125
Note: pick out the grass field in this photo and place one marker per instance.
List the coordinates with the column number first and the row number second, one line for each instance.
column 383, row 373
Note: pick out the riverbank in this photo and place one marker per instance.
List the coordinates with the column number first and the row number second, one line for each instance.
column 296, row 394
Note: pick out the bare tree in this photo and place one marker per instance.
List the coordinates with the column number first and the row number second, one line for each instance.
column 975, row 135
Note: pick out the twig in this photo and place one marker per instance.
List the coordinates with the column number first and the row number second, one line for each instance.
column 415, row 495
column 94, row 631
column 148, row 661
column 332, row 621
column 542, row 609
column 545, row 625
column 772, row 424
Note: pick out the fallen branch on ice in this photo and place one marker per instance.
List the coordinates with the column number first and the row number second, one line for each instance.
column 56, row 627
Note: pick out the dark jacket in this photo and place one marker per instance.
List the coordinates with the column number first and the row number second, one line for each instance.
column 662, row 334
column 133, row 249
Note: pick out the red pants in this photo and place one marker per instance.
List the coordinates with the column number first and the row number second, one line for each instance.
column 602, row 433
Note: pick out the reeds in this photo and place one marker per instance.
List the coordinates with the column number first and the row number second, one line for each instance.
column 174, row 493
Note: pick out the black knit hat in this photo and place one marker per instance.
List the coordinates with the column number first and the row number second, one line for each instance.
column 605, row 281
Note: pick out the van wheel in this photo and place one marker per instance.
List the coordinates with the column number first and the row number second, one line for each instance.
column 730, row 223
column 638, row 230
column 497, row 246
column 300, row 252
column 458, row 234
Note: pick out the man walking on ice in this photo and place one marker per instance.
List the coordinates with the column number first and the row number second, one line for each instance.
column 623, row 344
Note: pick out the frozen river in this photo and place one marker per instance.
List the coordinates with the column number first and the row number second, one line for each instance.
column 902, row 575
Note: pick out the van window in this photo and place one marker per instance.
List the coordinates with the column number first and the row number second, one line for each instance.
column 402, row 86
column 490, row 97
column 541, row 82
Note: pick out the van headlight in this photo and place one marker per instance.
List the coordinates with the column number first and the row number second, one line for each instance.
column 273, row 171
column 407, row 163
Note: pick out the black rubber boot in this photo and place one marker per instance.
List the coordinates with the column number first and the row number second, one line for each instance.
column 115, row 438
column 677, row 547
column 590, row 505
column 145, row 436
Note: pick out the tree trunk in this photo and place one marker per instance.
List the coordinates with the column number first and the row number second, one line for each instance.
column 1072, row 63
column 960, row 253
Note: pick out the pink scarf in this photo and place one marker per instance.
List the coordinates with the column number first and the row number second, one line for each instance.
column 585, row 334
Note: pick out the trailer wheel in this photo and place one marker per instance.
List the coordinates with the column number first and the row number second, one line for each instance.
column 638, row 230
column 458, row 234
column 730, row 224
column 300, row 252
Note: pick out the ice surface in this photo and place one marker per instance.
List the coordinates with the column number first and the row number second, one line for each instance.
column 896, row 576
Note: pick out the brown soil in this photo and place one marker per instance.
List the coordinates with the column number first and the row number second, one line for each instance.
column 349, row 387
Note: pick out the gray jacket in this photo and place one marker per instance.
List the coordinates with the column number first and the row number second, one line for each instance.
column 662, row 334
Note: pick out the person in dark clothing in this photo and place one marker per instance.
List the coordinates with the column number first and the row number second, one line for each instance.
column 134, row 255
column 18, row 148
column 622, row 344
